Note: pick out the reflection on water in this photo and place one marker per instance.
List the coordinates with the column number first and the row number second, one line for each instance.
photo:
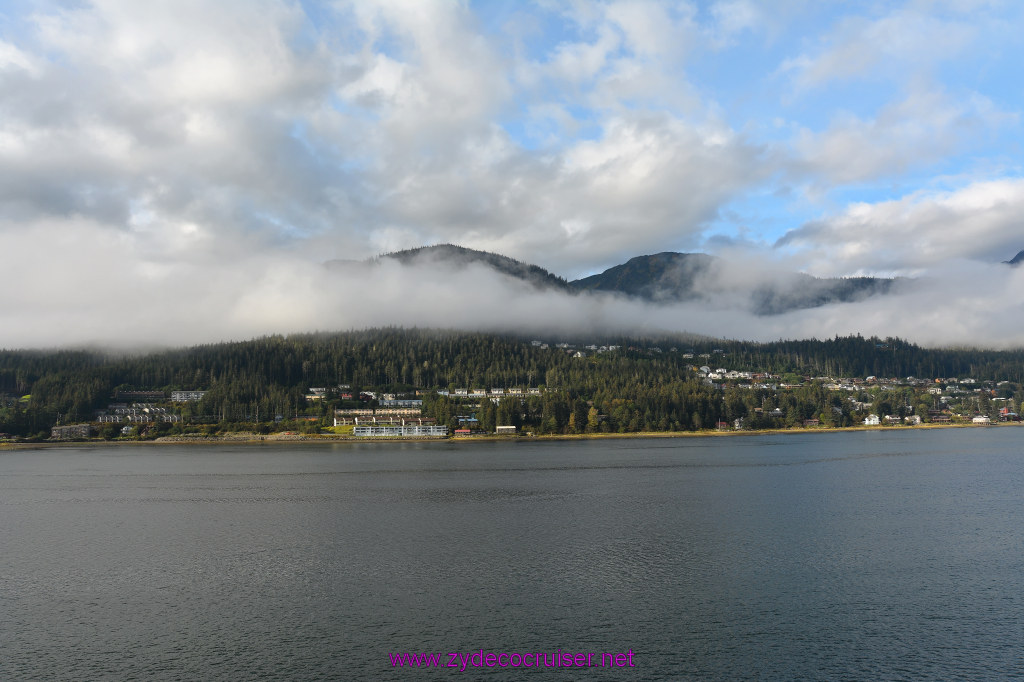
column 893, row 555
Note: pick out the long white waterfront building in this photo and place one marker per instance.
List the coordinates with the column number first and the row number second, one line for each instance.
column 412, row 430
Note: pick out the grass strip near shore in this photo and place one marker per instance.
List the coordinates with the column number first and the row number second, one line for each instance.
column 244, row 438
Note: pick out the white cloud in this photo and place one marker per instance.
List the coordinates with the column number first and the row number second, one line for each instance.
column 653, row 31
column 925, row 127
column 731, row 18
column 379, row 130
column 183, row 52
column 646, row 182
column 920, row 232
column 13, row 59
column 903, row 41
column 445, row 78
column 140, row 296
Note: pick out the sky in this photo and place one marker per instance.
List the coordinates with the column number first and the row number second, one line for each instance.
column 177, row 172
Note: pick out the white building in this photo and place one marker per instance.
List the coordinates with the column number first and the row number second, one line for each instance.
column 872, row 420
column 393, row 402
column 383, row 431
column 186, row 396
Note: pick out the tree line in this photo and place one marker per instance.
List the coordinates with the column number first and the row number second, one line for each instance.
column 648, row 384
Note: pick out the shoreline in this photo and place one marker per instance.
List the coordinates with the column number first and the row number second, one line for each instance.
column 243, row 438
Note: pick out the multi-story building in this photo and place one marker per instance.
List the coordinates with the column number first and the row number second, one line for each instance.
column 187, row 396
column 381, row 431
column 70, row 431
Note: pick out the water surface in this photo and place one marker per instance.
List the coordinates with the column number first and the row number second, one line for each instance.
column 863, row 555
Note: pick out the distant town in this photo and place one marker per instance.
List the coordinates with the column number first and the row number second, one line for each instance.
column 577, row 388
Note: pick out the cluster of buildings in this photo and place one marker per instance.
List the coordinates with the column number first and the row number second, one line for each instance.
column 571, row 348
column 136, row 413
column 574, row 350
column 392, row 417
column 892, row 420
column 743, row 379
column 946, row 394
column 131, row 414
column 493, row 393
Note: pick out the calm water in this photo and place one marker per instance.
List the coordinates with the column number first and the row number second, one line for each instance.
column 870, row 555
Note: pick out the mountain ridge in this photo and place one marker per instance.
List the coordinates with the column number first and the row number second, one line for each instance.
column 673, row 277
column 665, row 277
column 452, row 254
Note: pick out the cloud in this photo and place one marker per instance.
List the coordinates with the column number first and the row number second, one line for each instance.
column 386, row 125
column 919, row 232
column 600, row 200
column 904, row 40
column 177, row 170
column 178, row 109
column 731, row 18
column 652, row 30
column 923, row 128
column 149, row 301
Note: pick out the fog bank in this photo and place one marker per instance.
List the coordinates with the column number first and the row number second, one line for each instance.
column 78, row 295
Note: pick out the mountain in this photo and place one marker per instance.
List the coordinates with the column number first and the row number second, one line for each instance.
column 805, row 291
column 1016, row 260
column 449, row 257
column 662, row 276
column 666, row 277
column 669, row 277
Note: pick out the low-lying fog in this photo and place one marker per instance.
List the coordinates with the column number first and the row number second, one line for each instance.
column 105, row 300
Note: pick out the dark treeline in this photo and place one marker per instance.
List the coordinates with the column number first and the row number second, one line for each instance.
column 647, row 384
column 855, row 356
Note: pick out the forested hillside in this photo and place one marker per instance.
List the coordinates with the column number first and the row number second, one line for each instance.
column 644, row 384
